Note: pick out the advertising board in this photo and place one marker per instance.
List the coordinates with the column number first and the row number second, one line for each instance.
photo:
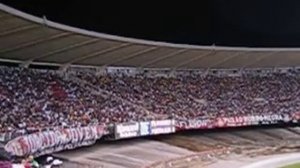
column 162, row 126
column 194, row 124
column 127, row 130
column 145, row 128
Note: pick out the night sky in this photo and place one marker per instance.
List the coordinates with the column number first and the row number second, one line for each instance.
column 252, row 23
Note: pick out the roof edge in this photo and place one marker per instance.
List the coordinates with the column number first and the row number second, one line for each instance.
column 55, row 25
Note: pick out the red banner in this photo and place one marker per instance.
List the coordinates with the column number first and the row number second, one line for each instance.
column 237, row 121
column 54, row 141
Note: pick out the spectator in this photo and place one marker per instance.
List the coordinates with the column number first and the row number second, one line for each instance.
column 33, row 163
column 35, row 100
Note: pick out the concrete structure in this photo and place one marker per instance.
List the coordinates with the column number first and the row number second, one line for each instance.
column 27, row 39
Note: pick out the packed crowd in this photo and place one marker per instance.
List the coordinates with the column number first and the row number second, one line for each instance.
column 33, row 100
column 195, row 96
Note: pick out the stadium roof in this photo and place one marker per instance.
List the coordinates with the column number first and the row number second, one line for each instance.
column 27, row 39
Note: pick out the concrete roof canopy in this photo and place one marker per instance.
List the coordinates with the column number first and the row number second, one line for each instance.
column 27, row 39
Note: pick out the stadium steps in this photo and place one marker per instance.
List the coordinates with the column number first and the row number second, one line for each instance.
column 282, row 134
column 243, row 136
column 295, row 130
column 229, row 139
column 291, row 135
column 254, row 142
column 255, row 136
column 241, row 139
column 192, row 144
column 218, row 138
column 272, row 135
column 203, row 139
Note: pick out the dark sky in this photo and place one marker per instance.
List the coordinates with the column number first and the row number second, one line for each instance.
column 272, row 23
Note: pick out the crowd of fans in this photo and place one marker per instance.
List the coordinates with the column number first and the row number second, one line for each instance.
column 196, row 96
column 34, row 100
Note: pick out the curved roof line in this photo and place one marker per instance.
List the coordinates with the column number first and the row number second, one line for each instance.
column 132, row 40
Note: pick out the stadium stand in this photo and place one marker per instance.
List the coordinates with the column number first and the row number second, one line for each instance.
column 195, row 96
column 35, row 100
column 102, row 84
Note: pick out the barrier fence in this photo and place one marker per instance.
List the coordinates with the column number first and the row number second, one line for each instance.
column 46, row 142
column 237, row 121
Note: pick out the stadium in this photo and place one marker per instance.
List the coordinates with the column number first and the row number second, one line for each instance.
column 89, row 99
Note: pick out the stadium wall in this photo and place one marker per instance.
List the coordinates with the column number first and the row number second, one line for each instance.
column 47, row 142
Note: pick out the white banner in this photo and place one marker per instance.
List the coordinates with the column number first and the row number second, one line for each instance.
column 127, row 130
column 162, row 127
column 53, row 141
